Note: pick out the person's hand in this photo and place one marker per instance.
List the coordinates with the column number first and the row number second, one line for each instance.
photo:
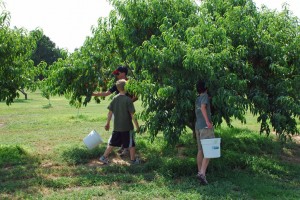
column 107, row 127
column 209, row 125
column 137, row 129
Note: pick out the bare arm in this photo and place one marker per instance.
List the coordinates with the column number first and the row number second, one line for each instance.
column 204, row 113
column 135, row 122
column 134, row 98
column 101, row 94
column 109, row 115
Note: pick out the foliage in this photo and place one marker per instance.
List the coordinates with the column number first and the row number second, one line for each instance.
column 46, row 50
column 43, row 56
column 249, row 59
column 273, row 88
column 75, row 78
column 4, row 15
column 87, row 69
column 236, row 49
column 16, row 68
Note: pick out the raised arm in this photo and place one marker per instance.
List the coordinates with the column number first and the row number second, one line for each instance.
column 101, row 94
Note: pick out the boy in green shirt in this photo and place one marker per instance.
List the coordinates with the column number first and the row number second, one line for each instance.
column 123, row 109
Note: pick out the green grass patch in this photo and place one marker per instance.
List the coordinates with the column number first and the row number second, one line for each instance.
column 42, row 156
column 11, row 155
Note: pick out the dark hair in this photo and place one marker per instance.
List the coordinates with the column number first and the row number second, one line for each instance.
column 120, row 69
column 200, row 86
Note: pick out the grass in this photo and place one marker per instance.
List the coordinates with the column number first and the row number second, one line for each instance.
column 42, row 156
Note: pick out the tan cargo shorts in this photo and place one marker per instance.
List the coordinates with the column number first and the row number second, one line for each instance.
column 205, row 133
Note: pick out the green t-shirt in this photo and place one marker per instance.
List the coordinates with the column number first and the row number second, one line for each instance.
column 122, row 106
column 202, row 99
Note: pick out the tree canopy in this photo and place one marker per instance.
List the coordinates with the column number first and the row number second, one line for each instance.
column 16, row 68
column 46, row 50
column 248, row 57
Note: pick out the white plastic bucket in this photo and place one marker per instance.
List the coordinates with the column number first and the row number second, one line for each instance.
column 92, row 140
column 211, row 147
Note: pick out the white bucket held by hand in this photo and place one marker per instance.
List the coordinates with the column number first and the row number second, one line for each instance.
column 92, row 140
column 211, row 147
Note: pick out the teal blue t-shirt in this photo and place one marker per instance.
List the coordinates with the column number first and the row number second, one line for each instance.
column 200, row 121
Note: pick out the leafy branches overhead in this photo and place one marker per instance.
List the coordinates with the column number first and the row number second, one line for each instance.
column 16, row 68
column 248, row 57
column 4, row 15
column 250, row 60
column 87, row 69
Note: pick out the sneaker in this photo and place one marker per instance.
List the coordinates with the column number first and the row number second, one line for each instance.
column 202, row 179
column 136, row 161
column 103, row 160
column 125, row 152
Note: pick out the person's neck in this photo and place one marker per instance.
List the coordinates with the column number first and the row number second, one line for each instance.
column 122, row 93
column 123, row 77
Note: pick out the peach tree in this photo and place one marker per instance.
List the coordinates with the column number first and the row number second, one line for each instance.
column 16, row 69
column 249, row 59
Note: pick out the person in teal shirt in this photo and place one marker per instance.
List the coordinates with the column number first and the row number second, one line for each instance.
column 204, row 128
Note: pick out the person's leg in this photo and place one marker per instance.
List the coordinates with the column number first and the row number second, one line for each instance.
column 126, row 142
column 129, row 143
column 125, row 151
column 104, row 157
column 107, row 151
column 115, row 140
column 200, row 153
column 204, row 165
column 204, row 134
column 199, row 160
column 132, row 153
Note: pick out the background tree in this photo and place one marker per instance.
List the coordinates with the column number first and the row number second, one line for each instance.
column 87, row 69
column 43, row 56
column 16, row 68
column 46, row 50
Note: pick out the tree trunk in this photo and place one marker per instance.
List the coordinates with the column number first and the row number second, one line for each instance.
column 191, row 125
column 23, row 92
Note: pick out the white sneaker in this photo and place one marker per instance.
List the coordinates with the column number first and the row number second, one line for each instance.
column 136, row 161
column 104, row 160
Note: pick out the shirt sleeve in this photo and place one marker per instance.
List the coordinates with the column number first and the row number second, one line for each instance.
column 113, row 89
column 131, row 108
column 110, row 106
column 205, row 99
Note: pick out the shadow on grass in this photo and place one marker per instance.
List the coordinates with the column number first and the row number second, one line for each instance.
column 240, row 150
column 11, row 155
column 80, row 155
column 249, row 168
column 48, row 106
column 17, row 169
column 22, row 100
column 85, row 118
